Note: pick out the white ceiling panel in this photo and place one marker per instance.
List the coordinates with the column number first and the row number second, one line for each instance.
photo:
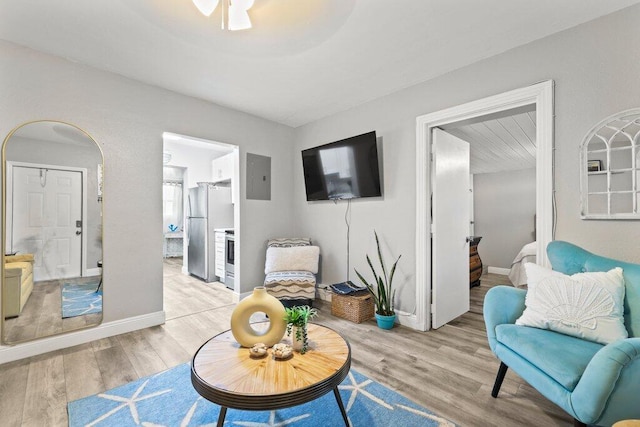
column 500, row 144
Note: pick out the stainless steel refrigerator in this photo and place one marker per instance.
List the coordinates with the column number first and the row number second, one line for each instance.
column 209, row 207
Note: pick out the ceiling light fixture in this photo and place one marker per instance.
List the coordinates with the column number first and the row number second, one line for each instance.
column 237, row 16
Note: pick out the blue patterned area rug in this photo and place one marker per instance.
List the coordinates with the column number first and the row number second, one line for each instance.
column 169, row 399
column 79, row 299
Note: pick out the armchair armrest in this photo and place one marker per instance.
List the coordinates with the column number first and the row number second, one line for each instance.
column 615, row 369
column 18, row 258
column 12, row 272
column 502, row 304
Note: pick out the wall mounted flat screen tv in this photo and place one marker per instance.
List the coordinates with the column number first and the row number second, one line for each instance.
column 344, row 169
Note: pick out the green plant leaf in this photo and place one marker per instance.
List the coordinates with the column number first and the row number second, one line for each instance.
column 393, row 270
column 382, row 292
column 362, row 279
column 384, row 271
column 299, row 316
column 373, row 270
column 376, row 301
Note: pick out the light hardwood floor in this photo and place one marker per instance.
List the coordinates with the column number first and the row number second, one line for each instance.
column 42, row 313
column 450, row 370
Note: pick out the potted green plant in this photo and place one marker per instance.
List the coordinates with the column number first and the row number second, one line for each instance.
column 297, row 319
column 382, row 290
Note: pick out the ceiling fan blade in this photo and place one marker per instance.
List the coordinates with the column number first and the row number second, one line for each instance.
column 238, row 16
column 206, row 7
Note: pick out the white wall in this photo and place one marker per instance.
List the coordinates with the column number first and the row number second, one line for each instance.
column 197, row 160
column 595, row 76
column 504, row 204
column 127, row 119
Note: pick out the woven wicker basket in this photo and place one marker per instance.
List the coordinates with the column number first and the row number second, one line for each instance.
column 356, row 308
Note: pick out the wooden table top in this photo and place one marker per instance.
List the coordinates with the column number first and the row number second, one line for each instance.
column 223, row 372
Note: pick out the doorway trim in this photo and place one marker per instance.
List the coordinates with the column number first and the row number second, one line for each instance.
column 540, row 94
column 84, row 271
column 235, row 196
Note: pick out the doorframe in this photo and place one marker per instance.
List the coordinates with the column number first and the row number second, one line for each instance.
column 235, row 195
column 540, row 95
column 83, row 193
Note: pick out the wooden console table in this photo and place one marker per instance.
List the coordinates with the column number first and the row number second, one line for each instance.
column 475, row 263
column 225, row 374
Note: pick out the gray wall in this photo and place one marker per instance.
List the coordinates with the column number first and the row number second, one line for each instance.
column 595, row 76
column 504, row 204
column 127, row 120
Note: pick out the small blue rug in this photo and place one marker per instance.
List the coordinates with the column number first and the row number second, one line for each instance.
column 79, row 299
column 169, row 399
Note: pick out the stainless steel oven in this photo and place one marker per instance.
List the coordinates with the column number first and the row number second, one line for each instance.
column 229, row 271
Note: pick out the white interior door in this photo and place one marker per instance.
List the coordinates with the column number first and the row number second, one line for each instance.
column 450, row 227
column 46, row 220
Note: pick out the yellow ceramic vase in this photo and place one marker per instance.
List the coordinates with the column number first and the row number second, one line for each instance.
column 258, row 301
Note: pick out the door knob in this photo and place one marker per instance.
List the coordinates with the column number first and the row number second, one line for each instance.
column 78, row 232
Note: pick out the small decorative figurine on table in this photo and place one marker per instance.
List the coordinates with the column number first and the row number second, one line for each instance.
column 258, row 350
column 282, row 351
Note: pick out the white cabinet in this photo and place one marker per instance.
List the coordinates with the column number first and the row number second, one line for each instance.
column 222, row 168
column 172, row 244
column 220, row 257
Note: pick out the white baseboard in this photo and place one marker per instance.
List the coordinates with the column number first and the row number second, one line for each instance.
column 408, row 320
column 94, row 272
column 499, row 270
column 235, row 298
column 108, row 329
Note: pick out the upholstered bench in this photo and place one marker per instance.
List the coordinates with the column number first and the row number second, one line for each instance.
column 290, row 268
column 18, row 283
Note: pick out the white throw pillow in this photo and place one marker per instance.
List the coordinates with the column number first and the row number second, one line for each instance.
column 585, row 305
column 298, row 258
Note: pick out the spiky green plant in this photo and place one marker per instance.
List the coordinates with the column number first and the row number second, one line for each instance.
column 382, row 289
column 299, row 316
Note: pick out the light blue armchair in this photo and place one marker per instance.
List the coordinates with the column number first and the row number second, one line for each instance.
column 596, row 384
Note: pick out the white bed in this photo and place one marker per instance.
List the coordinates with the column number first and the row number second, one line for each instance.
column 517, row 275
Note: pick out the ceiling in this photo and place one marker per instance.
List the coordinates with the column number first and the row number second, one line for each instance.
column 215, row 149
column 499, row 143
column 303, row 60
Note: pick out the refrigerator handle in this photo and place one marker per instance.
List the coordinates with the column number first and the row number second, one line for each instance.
column 187, row 230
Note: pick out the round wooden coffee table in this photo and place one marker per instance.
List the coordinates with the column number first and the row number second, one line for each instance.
column 225, row 374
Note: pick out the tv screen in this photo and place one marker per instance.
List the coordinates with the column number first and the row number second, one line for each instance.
column 344, row 169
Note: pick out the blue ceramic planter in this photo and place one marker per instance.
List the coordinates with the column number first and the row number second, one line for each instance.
column 385, row 322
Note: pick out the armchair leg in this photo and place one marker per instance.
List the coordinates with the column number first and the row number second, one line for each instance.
column 577, row 423
column 502, row 371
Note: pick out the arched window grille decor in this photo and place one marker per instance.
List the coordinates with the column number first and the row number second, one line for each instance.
column 610, row 168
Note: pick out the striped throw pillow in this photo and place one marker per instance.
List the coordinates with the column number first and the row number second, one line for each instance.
column 289, row 242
